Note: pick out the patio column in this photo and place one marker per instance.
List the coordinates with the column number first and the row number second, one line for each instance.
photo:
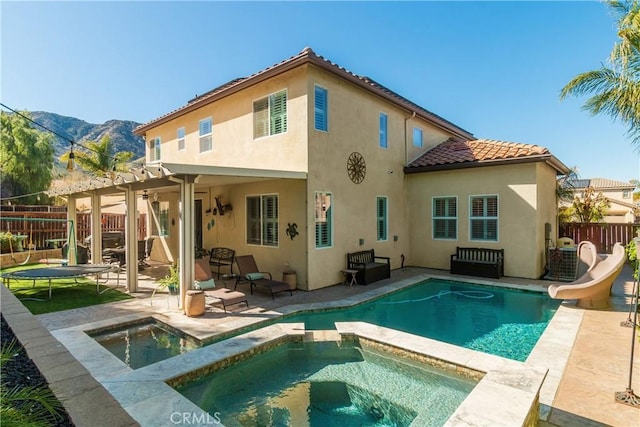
column 72, row 230
column 96, row 229
column 186, row 253
column 131, row 239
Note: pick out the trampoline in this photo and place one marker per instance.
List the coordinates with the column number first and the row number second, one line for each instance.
column 64, row 272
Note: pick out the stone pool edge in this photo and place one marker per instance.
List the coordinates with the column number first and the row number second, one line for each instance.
column 507, row 394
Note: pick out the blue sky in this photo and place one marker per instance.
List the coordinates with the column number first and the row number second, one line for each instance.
column 492, row 68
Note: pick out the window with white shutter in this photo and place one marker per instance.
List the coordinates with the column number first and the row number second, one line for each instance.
column 445, row 218
column 206, row 134
column 262, row 220
column 270, row 115
column 483, row 218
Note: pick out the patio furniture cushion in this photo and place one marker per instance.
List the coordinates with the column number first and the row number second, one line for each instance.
column 204, row 284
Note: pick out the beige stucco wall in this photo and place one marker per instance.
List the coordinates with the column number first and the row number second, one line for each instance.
column 233, row 142
column 354, row 127
column 523, row 209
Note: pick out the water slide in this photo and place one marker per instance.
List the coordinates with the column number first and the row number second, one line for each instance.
column 593, row 288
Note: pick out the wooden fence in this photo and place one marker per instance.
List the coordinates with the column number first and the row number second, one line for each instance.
column 604, row 236
column 46, row 228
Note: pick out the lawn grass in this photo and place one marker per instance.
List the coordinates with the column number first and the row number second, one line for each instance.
column 65, row 294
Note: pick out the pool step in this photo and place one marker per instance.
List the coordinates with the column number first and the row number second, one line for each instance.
column 324, row 335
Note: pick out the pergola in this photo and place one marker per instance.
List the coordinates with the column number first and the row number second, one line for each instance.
column 159, row 177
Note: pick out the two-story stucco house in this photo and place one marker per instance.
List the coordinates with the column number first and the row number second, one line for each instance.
column 622, row 208
column 304, row 162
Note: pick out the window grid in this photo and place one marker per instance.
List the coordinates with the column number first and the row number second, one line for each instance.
column 160, row 220
column 320, row 109
column 381, row 214
column 445, row 218
column 262, row 220
column 383, row 130
column 181, row 134
column 483, row 218
column 323, row 219
column 154, row 149
column 270, row 115
column 205, row 127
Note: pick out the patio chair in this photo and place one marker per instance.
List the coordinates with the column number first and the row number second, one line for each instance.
column 249, row 272
column 204, row 281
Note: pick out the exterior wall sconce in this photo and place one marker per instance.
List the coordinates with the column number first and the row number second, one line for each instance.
column 145, row 195
column 361, row 242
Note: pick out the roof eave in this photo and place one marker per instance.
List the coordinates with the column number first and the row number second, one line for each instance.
column 547, row 158
column 305, row 57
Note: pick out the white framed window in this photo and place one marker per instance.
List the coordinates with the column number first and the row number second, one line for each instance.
column 154, row 149
column 445, row 217
column 270, row 115
column 382, row 222
column 417, row 137
column 383, row 130
column 324, row 219
column 320, row 109
column 181, row 139
column 205, row 127
column 626, row 194
column 262, row 220
column 160, row 219
column 483, row 218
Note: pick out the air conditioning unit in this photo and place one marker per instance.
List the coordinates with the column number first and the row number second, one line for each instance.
column 562, row 264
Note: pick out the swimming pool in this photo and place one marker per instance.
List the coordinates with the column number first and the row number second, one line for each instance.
column 500, row 321
column 144, row 342
column 328, row 383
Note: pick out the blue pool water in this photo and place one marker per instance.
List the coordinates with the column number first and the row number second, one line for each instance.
column 328, row 384
column 144, row 343
column 499, row 321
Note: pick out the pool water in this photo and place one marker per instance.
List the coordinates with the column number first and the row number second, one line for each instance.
column 144, row 343
column 328, row 384
column 499, row 321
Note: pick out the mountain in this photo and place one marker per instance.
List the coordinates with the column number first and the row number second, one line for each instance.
column 120, row 132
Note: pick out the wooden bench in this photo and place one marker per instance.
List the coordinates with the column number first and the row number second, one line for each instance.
column 221, row 257
column 369, row 270
column 478, row 262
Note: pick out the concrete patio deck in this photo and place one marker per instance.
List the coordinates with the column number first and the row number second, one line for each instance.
column 588, row 350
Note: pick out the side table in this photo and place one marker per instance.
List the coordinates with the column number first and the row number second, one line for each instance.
column 353, row 280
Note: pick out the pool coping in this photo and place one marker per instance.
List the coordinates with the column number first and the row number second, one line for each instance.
column 136, row 390
column 510, row 388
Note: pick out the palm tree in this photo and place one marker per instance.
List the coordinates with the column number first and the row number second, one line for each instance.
column 616, row 89
column 99, row 159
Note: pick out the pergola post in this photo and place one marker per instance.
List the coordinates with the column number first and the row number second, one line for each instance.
column 131, row 239
column 72, row 230
column 187, row 200
column 96, row 229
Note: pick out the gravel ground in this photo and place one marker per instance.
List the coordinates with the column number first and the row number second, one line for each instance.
column 20, row 371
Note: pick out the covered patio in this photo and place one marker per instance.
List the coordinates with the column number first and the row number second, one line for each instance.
column 179, row 196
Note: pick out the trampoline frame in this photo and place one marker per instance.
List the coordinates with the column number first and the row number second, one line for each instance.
column 64, row 272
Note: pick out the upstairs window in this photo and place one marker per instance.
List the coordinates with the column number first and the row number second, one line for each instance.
column 320, row 109
column 205, row 127
column 417, row 137
column 383, row 130
column 154, row 149
column 445, row 218
column 180, row 139
column 270, row 115
column 484, row 218
column 381, row 214
column 262, row 220
column 323, row 219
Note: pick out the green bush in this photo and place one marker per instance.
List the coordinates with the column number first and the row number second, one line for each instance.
column 632, row 256
column 5, row 238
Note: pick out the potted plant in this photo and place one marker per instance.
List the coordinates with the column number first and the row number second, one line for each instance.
column 171, row 281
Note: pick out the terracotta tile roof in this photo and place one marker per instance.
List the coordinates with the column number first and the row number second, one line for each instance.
column 601, row 183
column 307, row 55
column 455, row 151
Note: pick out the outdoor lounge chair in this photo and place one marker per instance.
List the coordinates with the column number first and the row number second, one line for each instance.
column 204, row 281
column 249, row 272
